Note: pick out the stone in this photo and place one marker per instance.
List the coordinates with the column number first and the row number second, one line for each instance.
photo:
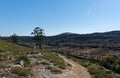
column 22, row 63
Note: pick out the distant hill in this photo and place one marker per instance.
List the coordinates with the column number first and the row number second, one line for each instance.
column 110, row 40
column 104, row 40
column 67, row 33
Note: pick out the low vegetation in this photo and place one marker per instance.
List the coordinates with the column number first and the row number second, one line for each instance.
column 45, row 63
column 12, row 55
column 94, row 69
column 25, row 59
column 54, row 58
column 13, row 48
column 112, row 63
column 19, row 71
column 2, row 65
column 97, row 72
column 54, row 69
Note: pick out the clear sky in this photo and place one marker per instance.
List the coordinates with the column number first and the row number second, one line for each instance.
column 58, row 16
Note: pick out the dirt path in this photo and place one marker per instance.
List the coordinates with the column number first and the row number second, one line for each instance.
column 77, row 71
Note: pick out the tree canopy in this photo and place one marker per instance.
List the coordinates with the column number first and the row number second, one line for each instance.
column 38, row 34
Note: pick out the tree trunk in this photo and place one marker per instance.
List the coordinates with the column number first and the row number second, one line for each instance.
column 40, row 46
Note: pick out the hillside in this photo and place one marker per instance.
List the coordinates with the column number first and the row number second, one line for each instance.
column 17, row 61
column 95, row 45
column 23, row 62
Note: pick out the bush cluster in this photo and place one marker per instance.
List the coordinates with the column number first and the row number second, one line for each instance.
column 24, row 58
column 19, row 71
column 112, row 63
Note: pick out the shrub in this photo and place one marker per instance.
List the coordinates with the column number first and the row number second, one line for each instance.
column 108, row 72
column 69, row 65
column 2, row 65
column 109, row 76
column 37, row 63
column 44, row 63
column 57, row 61
column 1, row 51
column 117, row 68
column 19, row 71
column 24, row 58
column 92, row 70
column 54, row 70
column 98, row 73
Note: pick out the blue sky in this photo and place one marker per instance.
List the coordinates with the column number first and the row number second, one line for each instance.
column 58, row 16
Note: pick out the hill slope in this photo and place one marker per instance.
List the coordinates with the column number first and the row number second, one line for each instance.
column 23, row 62
column 16, row 61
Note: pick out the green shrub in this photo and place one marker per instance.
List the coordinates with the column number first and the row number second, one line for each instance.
column 2, row 65
column 4, row 55
column 100, row 75
column 69, row 65
column 85, row 64
column 59, row 63
column 19, row 71
column 37, row 63
column 117, row 68
column 108, row 72
column 24, row 58
column 98, row 72
column 1, row 51
column 44, row 63
column 54, row 58
column 92, row 70
column 54, row 70
column 109, row 76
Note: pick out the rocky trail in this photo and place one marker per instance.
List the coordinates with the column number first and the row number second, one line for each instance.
column 76, row 71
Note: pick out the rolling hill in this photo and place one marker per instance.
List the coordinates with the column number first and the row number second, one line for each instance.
column 109, row 40
column 18, row 61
